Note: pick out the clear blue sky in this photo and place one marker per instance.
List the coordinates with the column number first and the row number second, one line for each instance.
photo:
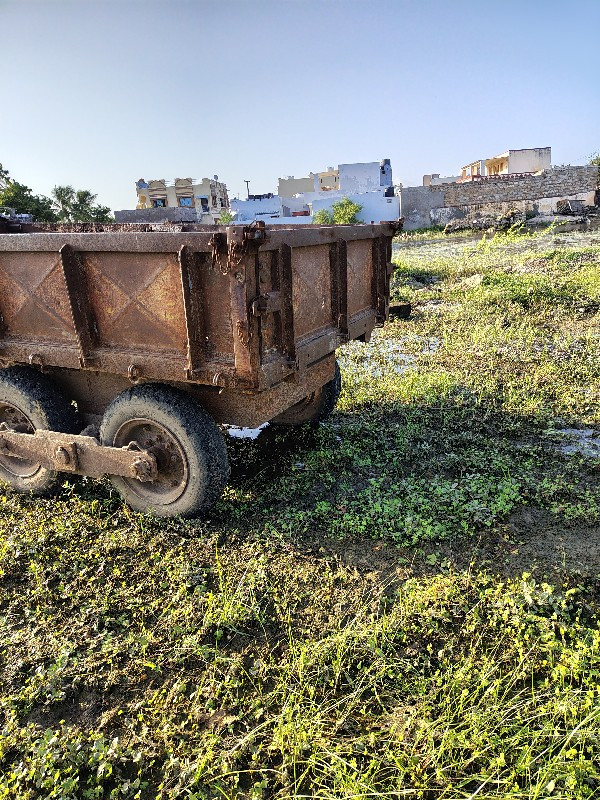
column 97, row 93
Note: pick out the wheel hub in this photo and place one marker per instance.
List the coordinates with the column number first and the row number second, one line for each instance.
column 171, row 462
column 15, row 420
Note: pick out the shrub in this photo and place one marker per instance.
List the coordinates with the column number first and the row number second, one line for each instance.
column 344, row 212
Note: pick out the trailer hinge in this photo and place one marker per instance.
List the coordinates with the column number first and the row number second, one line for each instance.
column 266, row 303
column 255, row 232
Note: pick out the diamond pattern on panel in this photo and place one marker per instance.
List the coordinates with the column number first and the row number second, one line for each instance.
column 137, row 300
column 105, row 298
column 166, row 305
column 34, row 300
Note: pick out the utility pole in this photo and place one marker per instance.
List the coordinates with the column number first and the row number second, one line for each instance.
column 247, row 189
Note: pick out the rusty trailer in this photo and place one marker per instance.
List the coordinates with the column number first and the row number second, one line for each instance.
column 122, row 351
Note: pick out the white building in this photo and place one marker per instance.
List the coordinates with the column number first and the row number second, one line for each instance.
column 367, row 184
column 260, row 206
column 376, row 207
column 369, row 177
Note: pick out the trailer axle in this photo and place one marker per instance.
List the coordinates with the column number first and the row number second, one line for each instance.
column 80, row 455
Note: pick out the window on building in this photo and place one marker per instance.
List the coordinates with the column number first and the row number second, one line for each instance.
column 159, row 203
column 186, row 202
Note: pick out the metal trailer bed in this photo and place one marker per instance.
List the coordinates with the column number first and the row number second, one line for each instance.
column 158, row 335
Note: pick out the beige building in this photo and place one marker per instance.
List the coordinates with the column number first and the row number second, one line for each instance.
column 476, row 169
column 290, row 186
column 328, row 181
column 208, row 197
column 535, row 159
column 512, row 162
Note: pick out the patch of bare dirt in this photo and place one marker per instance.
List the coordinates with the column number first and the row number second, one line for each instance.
column 545, row 544
column 532, row 540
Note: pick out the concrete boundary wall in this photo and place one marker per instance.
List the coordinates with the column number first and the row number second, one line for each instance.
column 423, row 206
column 157, row 215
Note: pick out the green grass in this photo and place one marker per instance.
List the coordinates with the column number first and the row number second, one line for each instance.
column 381, row 609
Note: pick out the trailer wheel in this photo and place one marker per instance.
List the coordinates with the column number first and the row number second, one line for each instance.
column 190, row 450
column 29, row 401
column 316, row 407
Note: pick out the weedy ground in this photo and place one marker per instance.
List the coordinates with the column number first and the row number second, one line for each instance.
column 403, row 603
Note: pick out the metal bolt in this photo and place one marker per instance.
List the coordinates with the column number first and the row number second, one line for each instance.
column 62, row 456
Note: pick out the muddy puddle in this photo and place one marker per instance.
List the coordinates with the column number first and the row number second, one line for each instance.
column 576, row 441
column 383, row 356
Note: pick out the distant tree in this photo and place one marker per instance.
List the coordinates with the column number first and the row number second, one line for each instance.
column 83, row 205
column 64, row 197
column 85, row 208
column 344, row 212
column 20, row 197
column 66, row 205
column 102, row 214
column 78, row 206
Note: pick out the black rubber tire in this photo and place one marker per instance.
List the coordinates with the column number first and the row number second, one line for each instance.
column 36, row 397
column 196, row 435
column 315, row 408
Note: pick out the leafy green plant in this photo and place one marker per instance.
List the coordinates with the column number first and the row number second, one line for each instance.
column 323, row 217
column 226, row 217
column 20, row 197
column 343, row 212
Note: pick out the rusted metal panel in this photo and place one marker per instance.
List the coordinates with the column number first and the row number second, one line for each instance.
column 338, row 259
column 137, row 300
column 237, row 308
column 381, row 283
column 311, row 289
column 33, row 299
column 288, row 329
column 268, row 306
column 360, row 271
